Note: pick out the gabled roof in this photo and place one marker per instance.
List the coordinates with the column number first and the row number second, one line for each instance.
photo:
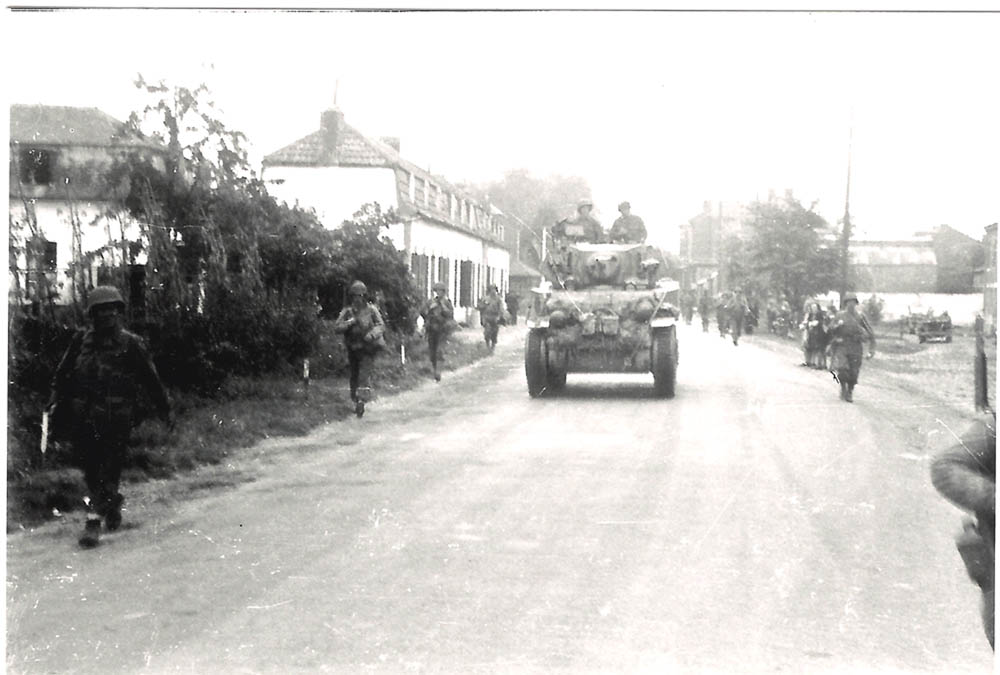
column 67, row 125
column 352, row 149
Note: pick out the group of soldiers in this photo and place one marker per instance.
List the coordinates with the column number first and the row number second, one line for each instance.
column 99, row 379
column 841, row 336
column 585, row 228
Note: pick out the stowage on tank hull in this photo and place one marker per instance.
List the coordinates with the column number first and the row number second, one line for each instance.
column 601, row 331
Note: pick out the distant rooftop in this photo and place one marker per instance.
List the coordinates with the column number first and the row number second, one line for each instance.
column 67, row 125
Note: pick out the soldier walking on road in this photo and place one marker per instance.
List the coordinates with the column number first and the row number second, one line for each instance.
column 720, row 313
column 513, row 304
column 629, row 228
column 848, row 333
column 438, row 313
column 363, row 330
column 490, row 312
column 95, row 390
column 737, row 311
column 704, row 310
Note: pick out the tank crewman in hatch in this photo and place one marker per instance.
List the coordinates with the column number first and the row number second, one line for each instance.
column 629, row 228
column 438, row 313
column 96, row 389
column 363, row 330
column 583, row 228
column 490, row 311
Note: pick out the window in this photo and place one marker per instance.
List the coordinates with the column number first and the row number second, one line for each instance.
column 420, row 272
column 421, row 191
column 444, row 268
column 36, row 167
column 411, row 187
column 465, row 284
column 50, row 257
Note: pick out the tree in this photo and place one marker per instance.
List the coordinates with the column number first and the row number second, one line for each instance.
column 784, row 251
column 537, row 202
column 363, row 252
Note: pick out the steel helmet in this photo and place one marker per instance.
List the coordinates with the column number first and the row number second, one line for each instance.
column 584, row 202
column 357, row 288
column 850, row 296
column 440, row 286
column 624, row 205
column 104, row 295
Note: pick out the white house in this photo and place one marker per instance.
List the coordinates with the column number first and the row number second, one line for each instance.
column 62, row 204
column 446, row 234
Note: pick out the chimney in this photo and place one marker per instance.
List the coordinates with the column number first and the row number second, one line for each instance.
column 391, row 141
column 331, row 122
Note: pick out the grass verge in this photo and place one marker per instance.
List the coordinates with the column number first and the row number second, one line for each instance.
column 210, row 428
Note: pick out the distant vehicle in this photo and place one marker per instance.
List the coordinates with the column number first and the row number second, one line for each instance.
column 937, row 328
column 602, row 309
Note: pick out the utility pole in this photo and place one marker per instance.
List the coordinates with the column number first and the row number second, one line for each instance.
column 846, row 235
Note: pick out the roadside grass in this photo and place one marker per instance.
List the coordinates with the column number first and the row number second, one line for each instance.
column 210, row 429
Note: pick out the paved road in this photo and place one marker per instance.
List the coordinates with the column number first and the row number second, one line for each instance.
column 753, row 524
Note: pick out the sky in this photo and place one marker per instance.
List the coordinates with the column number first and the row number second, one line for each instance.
column 665, row 110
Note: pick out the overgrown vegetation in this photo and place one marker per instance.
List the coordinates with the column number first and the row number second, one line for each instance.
column 782, row 253
column 233, row 286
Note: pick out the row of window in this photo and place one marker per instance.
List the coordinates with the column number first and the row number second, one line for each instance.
column 466, row 281
column 459, row 209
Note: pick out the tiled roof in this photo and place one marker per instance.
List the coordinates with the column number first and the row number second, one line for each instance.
column 354, row 149
column 66, row 125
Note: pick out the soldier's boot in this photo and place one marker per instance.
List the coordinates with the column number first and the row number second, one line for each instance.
column 843, row 391
column 849, row 397
column 359, row 404
column 113, row 520
column 437, row 374
column 91, row 531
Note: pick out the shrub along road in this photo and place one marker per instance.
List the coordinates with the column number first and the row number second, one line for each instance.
column 754, row 523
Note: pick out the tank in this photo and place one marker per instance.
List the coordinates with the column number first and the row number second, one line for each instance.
column 602, row 308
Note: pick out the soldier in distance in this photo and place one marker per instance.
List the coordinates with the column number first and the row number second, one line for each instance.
column 848, row 333
column 438, row 314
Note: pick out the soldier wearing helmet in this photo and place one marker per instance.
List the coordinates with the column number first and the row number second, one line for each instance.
column 363, row 329
column 582, row 228
column 438, row 314
column 848, row 332
column 95, row 389
column 490, row 312
column 629, row 228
